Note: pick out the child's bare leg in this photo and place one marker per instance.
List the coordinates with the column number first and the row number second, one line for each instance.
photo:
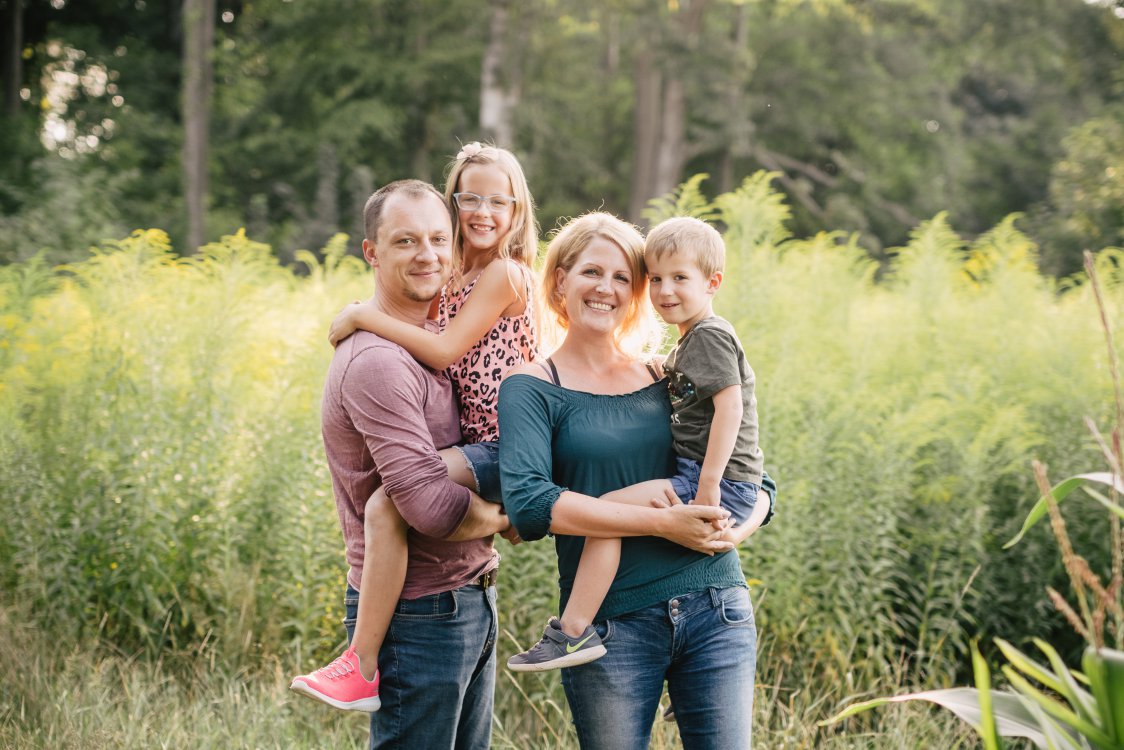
column 384, row 575
column 458, row 468
column 596, row 570
column 384, row 560
column 643, row 493
column 599, row 561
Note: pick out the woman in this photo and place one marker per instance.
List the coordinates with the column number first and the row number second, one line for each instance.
column 594, row 418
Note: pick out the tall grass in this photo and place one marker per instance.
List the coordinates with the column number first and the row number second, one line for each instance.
column 169, row 514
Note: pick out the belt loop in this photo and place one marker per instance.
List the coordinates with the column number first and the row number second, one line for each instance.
column 715, row 599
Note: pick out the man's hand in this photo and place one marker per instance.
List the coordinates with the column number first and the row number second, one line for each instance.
column 510, row 534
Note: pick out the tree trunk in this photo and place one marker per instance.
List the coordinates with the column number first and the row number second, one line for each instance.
column 497, row 100
column 660, row 119
column 740, row 127
column 198, row 84
column 11, row 49
column 645, row 132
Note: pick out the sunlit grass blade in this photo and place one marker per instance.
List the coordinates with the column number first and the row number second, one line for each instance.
column 1060, row 492
column 986, row 727
column 1112, row 507
column 1077, row 696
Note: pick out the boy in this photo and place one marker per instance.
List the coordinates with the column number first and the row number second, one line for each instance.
column 713, row 426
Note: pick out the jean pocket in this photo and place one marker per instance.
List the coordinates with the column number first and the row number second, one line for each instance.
column 441, row 606
column 604, row 630
column 735, row 607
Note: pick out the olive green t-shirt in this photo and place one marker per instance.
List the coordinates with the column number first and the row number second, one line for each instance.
column 707, row 359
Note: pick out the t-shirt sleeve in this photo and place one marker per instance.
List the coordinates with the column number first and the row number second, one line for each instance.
column 385, row 397
column 526, row 458
column 711, row 359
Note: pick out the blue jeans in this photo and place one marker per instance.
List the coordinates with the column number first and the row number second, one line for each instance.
column 703, row 643
column 483, row 461
column 437, row 670
column 736, row 497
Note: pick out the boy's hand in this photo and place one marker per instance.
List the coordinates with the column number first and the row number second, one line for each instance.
column 343, row 325
column 708, row 494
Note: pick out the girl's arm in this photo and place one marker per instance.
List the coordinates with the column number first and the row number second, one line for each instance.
column 501, row 286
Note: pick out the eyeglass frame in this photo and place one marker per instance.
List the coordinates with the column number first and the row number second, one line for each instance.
column 507, row 201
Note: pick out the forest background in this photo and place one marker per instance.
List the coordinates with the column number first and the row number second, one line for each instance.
column 906, row 187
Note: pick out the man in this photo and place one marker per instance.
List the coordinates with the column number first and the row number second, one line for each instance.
column 385, row 416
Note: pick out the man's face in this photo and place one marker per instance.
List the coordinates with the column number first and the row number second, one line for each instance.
column 413, row 249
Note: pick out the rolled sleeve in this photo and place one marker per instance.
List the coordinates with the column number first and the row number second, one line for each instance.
column 386, row 406
column 526, row 461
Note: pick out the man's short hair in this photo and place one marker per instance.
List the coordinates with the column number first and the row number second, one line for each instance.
column 372, row 211
column 692, row 237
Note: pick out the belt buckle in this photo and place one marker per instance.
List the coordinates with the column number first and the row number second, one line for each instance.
column 488, row 579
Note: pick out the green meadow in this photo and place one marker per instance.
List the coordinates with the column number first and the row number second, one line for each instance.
column 170, row 552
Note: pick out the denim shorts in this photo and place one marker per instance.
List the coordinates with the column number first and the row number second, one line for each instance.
column 483, row 461
column 736, row 497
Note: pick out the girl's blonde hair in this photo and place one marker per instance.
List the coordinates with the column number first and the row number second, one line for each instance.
column 639, row 334
column 521, row 243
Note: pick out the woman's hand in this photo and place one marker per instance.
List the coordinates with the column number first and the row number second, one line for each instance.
column 702, row 528
column 343, row 325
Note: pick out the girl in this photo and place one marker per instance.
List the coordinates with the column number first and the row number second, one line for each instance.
column 495, row 239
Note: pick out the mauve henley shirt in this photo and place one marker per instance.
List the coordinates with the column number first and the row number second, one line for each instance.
column 384, row 417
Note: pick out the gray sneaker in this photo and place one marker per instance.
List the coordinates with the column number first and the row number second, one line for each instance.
column 557, row 650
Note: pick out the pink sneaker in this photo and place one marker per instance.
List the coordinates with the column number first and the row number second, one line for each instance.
column 341, row 684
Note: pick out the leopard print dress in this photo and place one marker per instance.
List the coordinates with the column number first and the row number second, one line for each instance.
column 476, row 377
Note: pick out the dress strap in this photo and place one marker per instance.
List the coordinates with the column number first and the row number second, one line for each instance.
column 552, row 371
column 652, row 371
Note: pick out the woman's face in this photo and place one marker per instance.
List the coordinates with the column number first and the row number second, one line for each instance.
column 597, row 290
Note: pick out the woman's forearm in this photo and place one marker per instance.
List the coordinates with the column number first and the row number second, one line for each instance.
column 698, row 527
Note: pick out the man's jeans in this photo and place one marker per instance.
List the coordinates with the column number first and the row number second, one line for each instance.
column 437, row 670
column 703, row 643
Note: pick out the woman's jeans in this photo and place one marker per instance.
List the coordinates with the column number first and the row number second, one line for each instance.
column 437, row 670
column 703, row 643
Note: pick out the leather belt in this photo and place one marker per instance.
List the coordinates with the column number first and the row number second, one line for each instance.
column 485, row 580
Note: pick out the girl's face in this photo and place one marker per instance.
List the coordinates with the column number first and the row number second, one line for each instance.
column 483, row 228
column 597, row 290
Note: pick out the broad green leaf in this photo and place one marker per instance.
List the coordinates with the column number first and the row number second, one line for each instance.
column 1012, row 717
column 1058, row 710
column 1059, row 493
column 1105, row 670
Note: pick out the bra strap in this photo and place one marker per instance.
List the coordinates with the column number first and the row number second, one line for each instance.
column 552, row 371
column 652, row 371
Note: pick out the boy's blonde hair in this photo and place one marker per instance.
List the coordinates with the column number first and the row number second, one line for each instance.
column 692, row 237
column 522, row 241
column 639, row 333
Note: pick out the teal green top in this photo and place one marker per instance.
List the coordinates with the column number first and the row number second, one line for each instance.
column 553, row 439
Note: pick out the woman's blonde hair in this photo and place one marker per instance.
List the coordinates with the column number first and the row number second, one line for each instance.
column 521, row 243
column 639, row 333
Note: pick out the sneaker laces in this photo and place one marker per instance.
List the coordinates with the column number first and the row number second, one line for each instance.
column 340, row 667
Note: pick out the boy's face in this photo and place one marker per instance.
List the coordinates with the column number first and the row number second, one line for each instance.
column 680, row 292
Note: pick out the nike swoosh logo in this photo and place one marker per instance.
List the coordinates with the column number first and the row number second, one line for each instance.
column 572, row 647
